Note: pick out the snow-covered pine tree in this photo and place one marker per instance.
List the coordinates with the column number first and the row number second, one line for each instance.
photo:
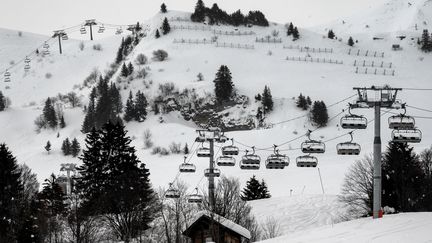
column 75, row 148
column 10, row 190
column 129, row 109
column 199, row 14
column 89, row 119
column 116, row 101
column 237, row 18
column 157, row 35
column 62, row 123
column 252, row 190
column 186, row 149
column 319, row 114
column 163, row 8
column 120, row 51
column 114, row 183
column 267, row 99
column 264, row 190
column 166, row 28
column 49, row 114
column 350, row 41
column 140, row 107
column 130, row 68
column 296, row 34
column 124, row 72
column 331, row 34
column 66, row 147
column 426, row 42
column 290, row 29
column 302, row 102
column 223, row 84
column 48, row 146
column 308, row 101
column 103, row 112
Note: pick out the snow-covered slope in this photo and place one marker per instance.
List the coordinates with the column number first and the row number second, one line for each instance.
column 266, row 64
column 406, row 227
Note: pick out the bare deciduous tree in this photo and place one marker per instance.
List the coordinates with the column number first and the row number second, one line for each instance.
column 426, row 162
column 270, row 228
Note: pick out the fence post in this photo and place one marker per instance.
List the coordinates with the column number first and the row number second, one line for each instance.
column 355, row 63
column 384, row 72
column 366, row 71
column 356, row 71
column 390, row 65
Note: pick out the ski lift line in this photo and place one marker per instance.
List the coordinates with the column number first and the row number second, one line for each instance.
column 417, row 89
column 420, row 117
column 418, row 108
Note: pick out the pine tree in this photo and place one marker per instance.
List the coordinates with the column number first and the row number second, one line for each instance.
column 114, row 183
column 115, row 101
column 130, row 69
column 66, row 147
column 296, row 34
column 186, row 149
column 166, row 28
column 290, row 29
column 402, row 178
column 331, row 34
column 48, row 146
column 308, row 101
column 103, row 112
column 350, row 41
column 49, row 114
column 157, row 35
column 75, row 148
column 2, row 102
column 119, row 56
column 264, row 190
column 223, row 84
column 426, row 41
column 130, row 108
column 199, row 13
column 62, row 122
column 319, row 114
column 33, row 223
column 140, row 107
column 10, row 190
column 163, row 8
column 267, row 100
column 252, row 190
column 53, row 197
column 302, row 102
column 124, row 70
column 237, row 18
column 89, row 119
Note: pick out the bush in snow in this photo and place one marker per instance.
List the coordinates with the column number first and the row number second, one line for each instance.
column 175, row 148
column 81, row 46
column 48, row 75
column 156, row 150
column 97, row 47
column 160, row 55
column 141, row 59
column 271, row 228
column 147, row 136
column 200, row 77
column 92, row 78
column 142, row 73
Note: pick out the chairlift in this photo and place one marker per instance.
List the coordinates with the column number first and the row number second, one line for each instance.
column 201, row 137
column 27, row 60
column 401, row 121
column 276, row 160
column 46, row 45
column 203, row 152
column 306, row 161
column 186, row 167
column 406, row 135
column 45, row 52
column 209, row 173
column 119, row 31
column 348, row 148
column 353, row 121
column 65, row 37
column 172, row 192
column 312, row 146
column 83, row 30
column 7, row 76
column 26, row 67
column 221, row 138
column 225, row 161
column 230, row 150
column 195, row 197
column 101, row 29
column 250, row 161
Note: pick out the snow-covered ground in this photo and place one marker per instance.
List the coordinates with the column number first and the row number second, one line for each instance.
column 401, row 228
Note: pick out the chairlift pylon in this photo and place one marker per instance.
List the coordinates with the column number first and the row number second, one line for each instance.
column 348, row 148
column 312, row 146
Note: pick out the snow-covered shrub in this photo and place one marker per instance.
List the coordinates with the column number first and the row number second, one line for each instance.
column 81, row 46
column 92, row 78
column 275, row 33
column 160, row 55
column 200, row 77
column 48, row 75
column 97, row 47
column 20, row 33
column 175, row 148
column 141, row 59
column 164, row 152
column 270, row 228
column 156, row 150
column 269, row 53
column 40, row 123
column 147, row 139
column 167, row 89
column 142, row 73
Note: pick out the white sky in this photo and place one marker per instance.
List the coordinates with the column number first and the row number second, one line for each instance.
column 43, row 16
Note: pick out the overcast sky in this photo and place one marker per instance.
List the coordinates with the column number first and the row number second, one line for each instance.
column 43, row 16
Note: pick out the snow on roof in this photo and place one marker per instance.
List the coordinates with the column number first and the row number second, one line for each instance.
column 226, row 223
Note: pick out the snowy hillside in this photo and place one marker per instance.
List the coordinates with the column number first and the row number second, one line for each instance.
column 265, row 64
column 406, row 227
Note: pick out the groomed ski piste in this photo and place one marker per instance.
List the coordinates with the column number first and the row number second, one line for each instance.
column 298, row 201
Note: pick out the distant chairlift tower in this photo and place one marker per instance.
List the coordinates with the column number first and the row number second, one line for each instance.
column 90, row 23
column 377, row 98
column 61, row 35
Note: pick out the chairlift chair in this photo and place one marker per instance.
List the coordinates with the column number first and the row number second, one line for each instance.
column 65, row 36
column 244, row 166
column 276, row 160
column 27, row 60
column 7, row 76
column 348, row 148
column 26, row 67
column 250, row 161
column 352, row 121
column 101, row 29
column 83, row 30
column 230, row 150
column 406, row 135
column 401, row 121
column 225, row 161
column 186, row 167
column 172, row 192
column 201, row 137
column 46, row 45
column 195, row 197
column 312, row 146
column 203, row 152
column 306, row 161
column 119, row 31
column 208, row 173
column 221, row 139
